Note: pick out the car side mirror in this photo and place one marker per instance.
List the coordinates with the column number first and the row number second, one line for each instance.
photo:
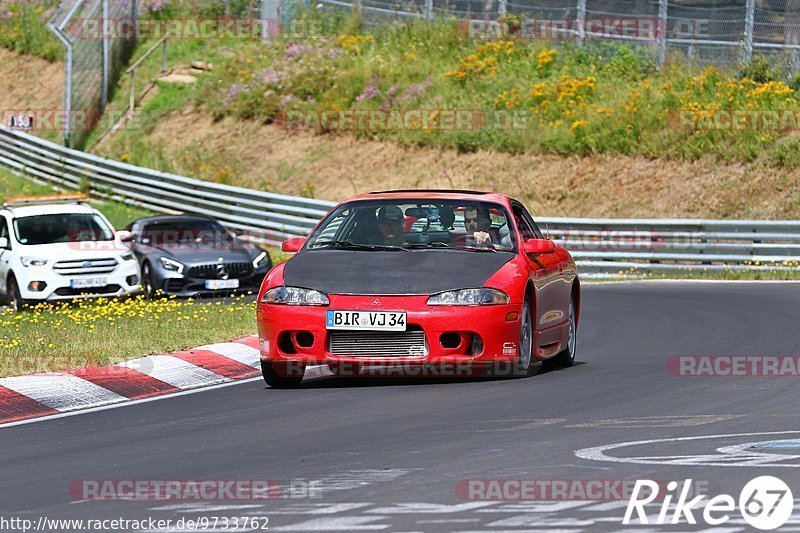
column 125, row 236
column 293, row 245
column 4, row 244
column 539, row 246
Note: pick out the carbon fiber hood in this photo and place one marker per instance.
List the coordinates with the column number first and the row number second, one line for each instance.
column 394, row 272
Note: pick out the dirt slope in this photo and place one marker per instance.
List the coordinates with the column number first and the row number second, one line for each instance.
column 28, row 82
column 333, row 167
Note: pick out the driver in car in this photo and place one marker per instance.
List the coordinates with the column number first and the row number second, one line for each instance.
column 478, row 224
column 390, row 224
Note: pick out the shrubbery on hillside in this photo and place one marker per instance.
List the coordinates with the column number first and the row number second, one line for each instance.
column 22, row 28
column 518, row 95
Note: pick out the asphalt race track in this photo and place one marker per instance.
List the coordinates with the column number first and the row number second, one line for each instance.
column 388, row 454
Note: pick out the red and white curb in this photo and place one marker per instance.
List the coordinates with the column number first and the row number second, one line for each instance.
column 24, row 397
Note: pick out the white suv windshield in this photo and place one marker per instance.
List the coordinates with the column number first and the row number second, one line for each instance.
column 66, row 227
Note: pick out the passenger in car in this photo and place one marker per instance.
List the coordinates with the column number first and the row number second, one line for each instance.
column 366, row 227
column 390, row 224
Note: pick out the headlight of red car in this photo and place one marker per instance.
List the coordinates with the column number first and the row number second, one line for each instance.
column 294, row 296
column 470, row 297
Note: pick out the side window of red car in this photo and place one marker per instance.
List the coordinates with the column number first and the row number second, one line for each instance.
column 526, row 231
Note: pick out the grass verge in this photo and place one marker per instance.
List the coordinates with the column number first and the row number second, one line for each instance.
column 52, row 337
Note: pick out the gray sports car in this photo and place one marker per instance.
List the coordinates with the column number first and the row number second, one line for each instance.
column 191, row 255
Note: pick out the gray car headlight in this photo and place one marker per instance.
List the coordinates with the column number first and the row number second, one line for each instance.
column 470, row 297
column 294, row 296
column 171, row 264
column 261, row 260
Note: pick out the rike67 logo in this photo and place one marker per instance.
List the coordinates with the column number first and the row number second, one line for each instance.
column 765, row 503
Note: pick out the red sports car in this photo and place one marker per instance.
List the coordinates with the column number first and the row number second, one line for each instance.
column 419, row 279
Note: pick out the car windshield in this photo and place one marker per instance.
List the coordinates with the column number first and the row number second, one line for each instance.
column 416, row 224
column 180, row 233
column 66, row 227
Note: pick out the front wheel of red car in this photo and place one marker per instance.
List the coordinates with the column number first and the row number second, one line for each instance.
column 282, row 375
column 524, row 363
column 566, row 357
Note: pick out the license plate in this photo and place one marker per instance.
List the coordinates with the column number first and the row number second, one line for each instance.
column 366, row 320
column 87, row 283
column 219, row 284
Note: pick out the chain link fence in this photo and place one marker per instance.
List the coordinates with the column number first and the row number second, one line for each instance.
column 725, row 33
column 93, row 62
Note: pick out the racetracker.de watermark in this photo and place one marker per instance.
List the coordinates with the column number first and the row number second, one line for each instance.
column 735, row 120
column 558, row 489
column 734, row 365
column 636, row 28
column 55, row 119
column 183, row 28
column 404, row 119
column 193, row 490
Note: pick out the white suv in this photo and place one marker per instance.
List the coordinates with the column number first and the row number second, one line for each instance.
column 61, row 251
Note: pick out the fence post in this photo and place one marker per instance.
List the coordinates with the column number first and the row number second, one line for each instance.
column 748, row 31
column 429, row 9
column 106, row 57
column 135, row 17
column 132, row 101
column 164, row 58
column 662, row 29
column 67, row 43
column 580, row 19
column 502, row 8
column 269, row 15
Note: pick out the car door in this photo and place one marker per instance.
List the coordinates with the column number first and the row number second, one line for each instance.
column 546, row 272
column 5, row 254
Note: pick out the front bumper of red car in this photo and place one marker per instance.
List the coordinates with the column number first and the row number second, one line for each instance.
column 458, row 335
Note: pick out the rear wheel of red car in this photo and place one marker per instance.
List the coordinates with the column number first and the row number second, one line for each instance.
column 524, row 363
column 282, row 375
column 566, row 357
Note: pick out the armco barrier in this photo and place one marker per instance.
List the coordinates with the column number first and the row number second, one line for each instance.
column 601, row 246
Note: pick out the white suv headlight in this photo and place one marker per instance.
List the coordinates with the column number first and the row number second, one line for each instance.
column 294, row 296
column 33, row 262
column 172, row 265
column 470, row 297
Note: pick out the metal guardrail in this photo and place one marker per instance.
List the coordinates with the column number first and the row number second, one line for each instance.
column 275, row 217
column 600, row 246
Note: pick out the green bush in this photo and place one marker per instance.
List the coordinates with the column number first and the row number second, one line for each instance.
column 22, row 28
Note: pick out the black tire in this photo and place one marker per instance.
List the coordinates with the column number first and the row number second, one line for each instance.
column 524, row 364
column 282, row 375
column 14, row 296
column 149, row 289
column 566, row 357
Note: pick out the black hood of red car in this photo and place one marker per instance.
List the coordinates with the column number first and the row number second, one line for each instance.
column 392, row 272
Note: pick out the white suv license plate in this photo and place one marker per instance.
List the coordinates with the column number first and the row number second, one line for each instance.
column 88, row 283
column 366, row 320
column 220, row 284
